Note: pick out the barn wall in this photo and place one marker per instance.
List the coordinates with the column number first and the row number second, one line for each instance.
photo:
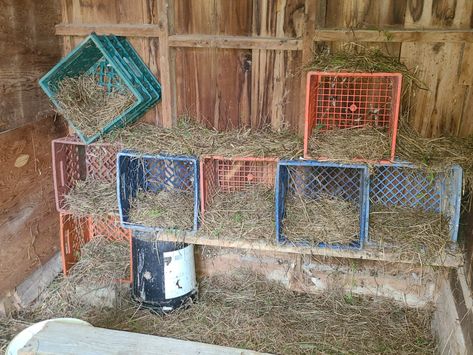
column 234, row 63
column 239, row 62
column 28, row 220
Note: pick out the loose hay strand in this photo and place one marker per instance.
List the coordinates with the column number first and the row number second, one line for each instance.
column 92, row 197
column 244, row 310
column 246, row 214
column 173, row 209
column 350, row 143
column 87, row 105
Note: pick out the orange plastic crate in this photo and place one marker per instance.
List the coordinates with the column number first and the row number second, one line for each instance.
column 233, row 174
column 351, row 100
column 73, row 161
column 77, row 231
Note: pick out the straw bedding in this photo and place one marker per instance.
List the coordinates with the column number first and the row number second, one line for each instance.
column 245, row 310
column 410, row 233
column 247, row 214
column 92, row 197
column 350, row 143
column 101, row 264
column 189, row 137
column 165, row 209
column 87, row 105
column 328, row 220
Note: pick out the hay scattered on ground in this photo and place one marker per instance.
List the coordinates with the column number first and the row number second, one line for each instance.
column 10, row 327
column 171, row 209
column 102, row 262
column 245, row 310
column 88, row 105
column 329, row 220
column 412, row 234
column 191, row 138
column 350, row 143
column 247, row 214
column 356, row 58
column 92, row 197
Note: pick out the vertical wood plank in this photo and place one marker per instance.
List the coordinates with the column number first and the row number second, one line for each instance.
column 167, row 66
column 438, row 111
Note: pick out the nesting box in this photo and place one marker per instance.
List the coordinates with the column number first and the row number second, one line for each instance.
column 75, row 232
column 408, row 186
column 220, row 174
column 150, row 175
column 352, row 100
column 115, row 66
column 73, row 160
column 299, row 182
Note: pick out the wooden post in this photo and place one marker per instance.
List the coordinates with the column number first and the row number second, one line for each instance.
column 167, row 63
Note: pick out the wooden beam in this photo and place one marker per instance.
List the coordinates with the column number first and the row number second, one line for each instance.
column 58, row 337
column 394, row 35
column 236, row 42
column 128, row 30
column 445, row 260
column 167, row 64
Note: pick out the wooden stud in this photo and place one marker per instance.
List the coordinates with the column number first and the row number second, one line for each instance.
column 167, row 64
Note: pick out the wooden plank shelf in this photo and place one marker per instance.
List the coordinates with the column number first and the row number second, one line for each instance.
column 449, row 260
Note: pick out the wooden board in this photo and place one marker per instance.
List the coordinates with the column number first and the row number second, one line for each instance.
column 445, row 260
column 439, row 110
column 28, row 50
column 65, row 338
column 28, row 218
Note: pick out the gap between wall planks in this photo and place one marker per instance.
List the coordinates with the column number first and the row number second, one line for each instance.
column 238, row 63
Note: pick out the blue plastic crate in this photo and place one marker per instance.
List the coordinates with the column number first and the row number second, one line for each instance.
column 115, row 69
column 405, row 185
column 153, row 174
column 313, row 179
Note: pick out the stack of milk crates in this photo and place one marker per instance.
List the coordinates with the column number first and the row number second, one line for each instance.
column 110, row 66
column 353, row 193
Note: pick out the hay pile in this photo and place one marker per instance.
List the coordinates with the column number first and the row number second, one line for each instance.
column 350, row 143
column 189, row 137
column 328, row 220
column 356, row 58
column 92, row 197
column 101, row 264
column 168, row 209
column 87, row 105
column 245, row 310
column 435, row 154
column 412, row 234
column 247, row 215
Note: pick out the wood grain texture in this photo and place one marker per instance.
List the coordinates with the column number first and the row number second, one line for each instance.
column 28, row 218
column 439, row 110
column 28, row 50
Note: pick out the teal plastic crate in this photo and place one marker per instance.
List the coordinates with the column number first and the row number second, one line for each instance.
column 117, row 66
column 139, row 71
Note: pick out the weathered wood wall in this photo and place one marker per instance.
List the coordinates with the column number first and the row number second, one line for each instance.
column 239, row 63
column 28, row 219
